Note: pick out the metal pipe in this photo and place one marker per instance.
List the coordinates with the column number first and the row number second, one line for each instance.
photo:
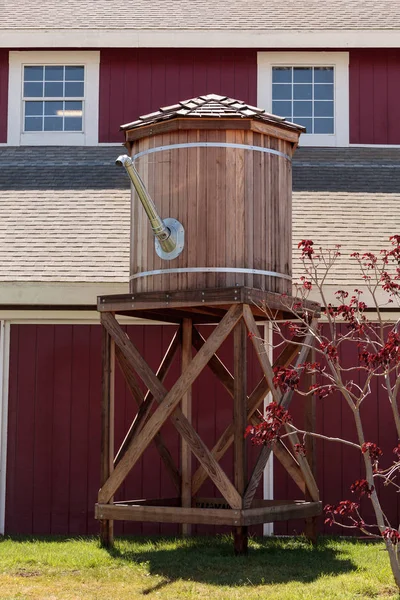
column 160, row 230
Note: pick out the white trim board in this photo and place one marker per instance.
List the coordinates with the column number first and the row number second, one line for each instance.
column 90, row 134
column 206, row 38
column 4, row 379
column 338, row 60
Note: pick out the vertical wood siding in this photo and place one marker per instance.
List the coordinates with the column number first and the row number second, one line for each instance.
column 3, row 94
column 374, row 96
column 135, row 82
column 53, row 461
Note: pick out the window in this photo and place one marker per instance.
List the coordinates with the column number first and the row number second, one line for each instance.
column 310, row 89
column 58, row 98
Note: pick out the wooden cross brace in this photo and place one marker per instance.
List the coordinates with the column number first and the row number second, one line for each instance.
column 146, row 425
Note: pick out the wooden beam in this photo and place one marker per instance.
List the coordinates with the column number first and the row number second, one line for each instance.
column 259, row 345
column 145, row 404
column 186, row 455
column 284, row 401
column 310, row 421
column 253, row 402
column 240, row 533
column 168, row 403
column 167, row 514
column 107, row 428
column 282, row 512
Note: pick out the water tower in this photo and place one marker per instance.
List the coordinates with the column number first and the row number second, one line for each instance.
column 210, row 243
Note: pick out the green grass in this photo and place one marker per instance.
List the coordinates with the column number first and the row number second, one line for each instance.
column 201, row 568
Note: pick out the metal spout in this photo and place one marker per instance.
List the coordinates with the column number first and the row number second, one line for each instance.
column 160, row 230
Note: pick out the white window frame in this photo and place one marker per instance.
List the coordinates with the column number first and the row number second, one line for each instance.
column 338, row 60
column 90, row 134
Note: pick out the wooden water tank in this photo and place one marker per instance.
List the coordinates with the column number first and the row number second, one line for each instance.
column 223, row 169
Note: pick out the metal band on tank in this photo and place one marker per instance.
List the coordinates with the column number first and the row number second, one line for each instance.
column 210, row 270
column 212, row 145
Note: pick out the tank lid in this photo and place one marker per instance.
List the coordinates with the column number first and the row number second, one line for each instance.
column 211, row 106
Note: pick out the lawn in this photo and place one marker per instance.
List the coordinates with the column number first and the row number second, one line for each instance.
column 169, row 568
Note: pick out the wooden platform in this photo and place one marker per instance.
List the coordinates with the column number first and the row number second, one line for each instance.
column 168, row 511
column 202, row 306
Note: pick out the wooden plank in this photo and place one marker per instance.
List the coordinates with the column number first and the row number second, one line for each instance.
column 168, row 402
column 186, row 404
column 146, row 403
column 168, row 514
column 240, row 534
column 259, row 345
column 197, row 297
column 282, row 512
column 256, row 475
column 107, row 428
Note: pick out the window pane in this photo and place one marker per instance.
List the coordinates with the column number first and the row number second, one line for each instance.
column 54, row 73
column 53, row 89
column 323, row 74
column 302, row 91
column 281, row 74
column 73, row 89
column 73, row 124
column 33, row 73
column 53, row 123
column 33, row 109
column 282, row 108
column 33, row 123
column 74, row 73
column 323, row 109
column 281, row 91
column 73, row 109
column 33, row 90
column 53, row 108
column 302, row 74
column 323, row 126
column 307, row 123
column 323, row 92
column 302, row 109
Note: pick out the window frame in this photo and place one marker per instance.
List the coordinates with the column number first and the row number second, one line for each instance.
column 16, row 134
column 338, row 60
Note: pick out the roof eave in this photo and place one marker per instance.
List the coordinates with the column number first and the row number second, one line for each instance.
column 199, row 38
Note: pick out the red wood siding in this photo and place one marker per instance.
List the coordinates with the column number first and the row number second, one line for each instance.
column 374, row 96
column 135, row 82
column 3, row 94
column 53, row 460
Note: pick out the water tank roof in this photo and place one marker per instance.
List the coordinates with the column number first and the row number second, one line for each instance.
column 211, row 106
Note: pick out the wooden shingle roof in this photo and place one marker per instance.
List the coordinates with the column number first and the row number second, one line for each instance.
column 211, row 106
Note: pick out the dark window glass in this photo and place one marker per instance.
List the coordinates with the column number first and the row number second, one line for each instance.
column 33, row 73
column 54, row 73
column 281, row 74
column 33, row 123
column 74, row 73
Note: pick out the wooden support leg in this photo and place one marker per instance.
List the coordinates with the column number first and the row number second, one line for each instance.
column 186, row 455
column 311, row 528
column 107, row 428
column 240, row 534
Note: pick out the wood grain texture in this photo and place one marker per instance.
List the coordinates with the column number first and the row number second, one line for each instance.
column 234, row 204
column 107, row 428
column 186, row 455
column 168, row 402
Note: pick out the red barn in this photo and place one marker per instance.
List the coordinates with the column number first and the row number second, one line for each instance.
column 70, row 75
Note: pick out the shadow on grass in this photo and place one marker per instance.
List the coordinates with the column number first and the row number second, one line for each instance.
column 211, row 561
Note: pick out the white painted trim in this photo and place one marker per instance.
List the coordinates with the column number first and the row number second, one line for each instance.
column 214, row 38
column 4, row 379
column 268, row 477
column 338, row 60
column 374, row 145
column 89, row 137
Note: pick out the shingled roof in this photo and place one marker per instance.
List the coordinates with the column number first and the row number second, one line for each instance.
column 65, row 217
column 211, row 106
column 255, row 15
